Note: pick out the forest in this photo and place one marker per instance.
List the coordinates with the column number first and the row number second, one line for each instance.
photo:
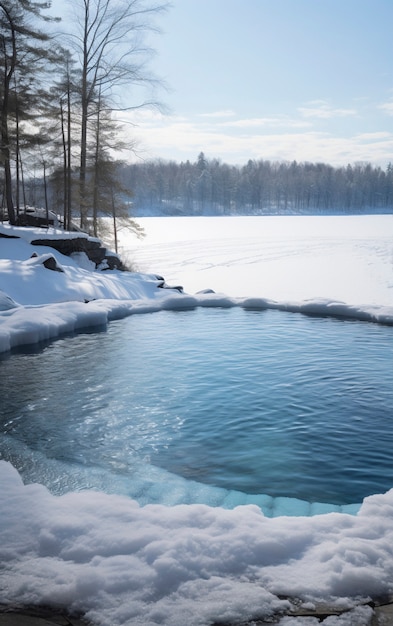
column 210, row 187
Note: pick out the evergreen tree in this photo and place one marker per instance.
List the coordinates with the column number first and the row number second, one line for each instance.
column 23, row 54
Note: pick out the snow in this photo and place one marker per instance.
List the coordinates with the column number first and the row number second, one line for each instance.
column 267, row 262
column 123, row 563
column 293, row 258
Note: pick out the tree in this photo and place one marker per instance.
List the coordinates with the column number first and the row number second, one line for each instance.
column 112, row 200
column 101, row 171
column 63, row 126
column 110, row 52
column 22, row 52
column 8, row 24
column 257, row 188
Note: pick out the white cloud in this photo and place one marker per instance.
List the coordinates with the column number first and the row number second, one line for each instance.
column 277, row 138
column 323, row 110
column 374, row 136
column 279, row 121
column 387, row 107
column 214, row 114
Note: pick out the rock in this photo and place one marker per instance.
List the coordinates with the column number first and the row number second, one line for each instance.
column 92, row 247
column 163, row 285
column 48, row 261
column 51, row 264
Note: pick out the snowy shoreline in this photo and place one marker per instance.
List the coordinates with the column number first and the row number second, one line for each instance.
column 37, row 304
column 23, row 326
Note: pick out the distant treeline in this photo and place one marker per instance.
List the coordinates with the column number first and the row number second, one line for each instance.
column 210, row 187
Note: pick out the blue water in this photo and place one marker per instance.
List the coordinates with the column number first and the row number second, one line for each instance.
column 257, row 402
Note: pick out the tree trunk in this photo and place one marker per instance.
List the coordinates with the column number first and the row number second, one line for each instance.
column 64, row 147
column 69, row 172
column 5, row 143
column 114, row 223
column 84, row 113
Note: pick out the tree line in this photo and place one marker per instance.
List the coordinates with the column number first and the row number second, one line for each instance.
column 210, row 187
column 59, row 91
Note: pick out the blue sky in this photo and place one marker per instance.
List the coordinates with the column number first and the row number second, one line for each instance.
column 310, row 80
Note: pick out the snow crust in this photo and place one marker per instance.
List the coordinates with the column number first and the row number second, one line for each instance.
column 123, row 563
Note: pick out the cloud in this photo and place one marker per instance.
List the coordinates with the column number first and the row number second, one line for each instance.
column 275, row 138
column 322, row 110
column 374, row 136
column 215, row 114
column 387, row 107
column 279, row 121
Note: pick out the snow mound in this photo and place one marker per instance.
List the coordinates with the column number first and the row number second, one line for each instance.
column 6, row 303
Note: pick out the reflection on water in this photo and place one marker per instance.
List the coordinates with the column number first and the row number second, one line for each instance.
column 261, row 402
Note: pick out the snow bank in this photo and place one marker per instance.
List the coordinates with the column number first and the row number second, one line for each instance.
column 28, row 325
column 126, row 564
column 323, row 307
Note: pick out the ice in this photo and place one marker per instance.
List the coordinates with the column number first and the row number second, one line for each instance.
column 290, row 506
column 151, row 484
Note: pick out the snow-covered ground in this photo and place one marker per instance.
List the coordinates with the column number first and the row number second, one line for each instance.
column 192, row 564
column 348, row 258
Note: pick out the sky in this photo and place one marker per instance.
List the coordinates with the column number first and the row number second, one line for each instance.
column 283, row 80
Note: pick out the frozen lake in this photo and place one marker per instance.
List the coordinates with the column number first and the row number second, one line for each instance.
column 346, row 258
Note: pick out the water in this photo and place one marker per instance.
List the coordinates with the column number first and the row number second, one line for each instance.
column 257, row 402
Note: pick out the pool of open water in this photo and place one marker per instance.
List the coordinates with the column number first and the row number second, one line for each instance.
column 217, row 406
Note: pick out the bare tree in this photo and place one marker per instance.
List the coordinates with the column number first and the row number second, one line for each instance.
column 110, row 49
column 63, row 112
